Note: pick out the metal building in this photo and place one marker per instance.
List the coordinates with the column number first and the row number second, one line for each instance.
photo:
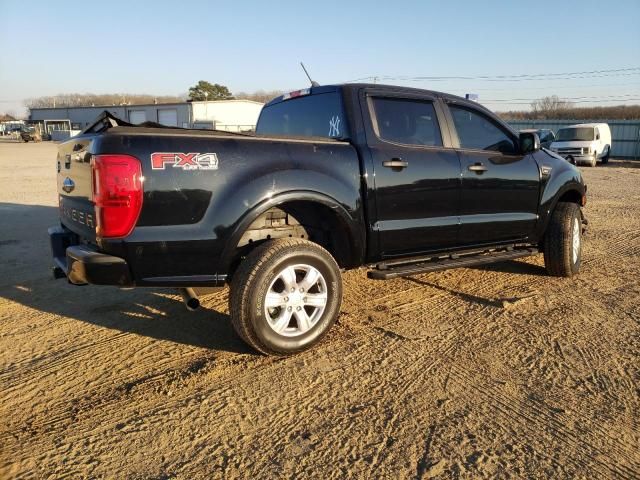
column 233, row 115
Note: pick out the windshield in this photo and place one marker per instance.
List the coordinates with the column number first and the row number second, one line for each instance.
column 580, row 133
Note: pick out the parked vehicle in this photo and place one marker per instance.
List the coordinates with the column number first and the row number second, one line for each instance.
column 30, row 134
column 584, row 143
column 402, row 181
column 545, row 135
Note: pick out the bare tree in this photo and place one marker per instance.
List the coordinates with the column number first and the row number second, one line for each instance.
column 549, row 107
column 6, row 117
column 260, row 95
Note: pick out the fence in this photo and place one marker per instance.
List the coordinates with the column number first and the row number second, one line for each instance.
column 625, row 134
column 235, row 128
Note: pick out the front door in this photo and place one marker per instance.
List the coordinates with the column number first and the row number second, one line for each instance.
column 417, row 179
column 500, row 186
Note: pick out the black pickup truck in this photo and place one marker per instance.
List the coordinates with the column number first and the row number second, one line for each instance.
column 402, row 181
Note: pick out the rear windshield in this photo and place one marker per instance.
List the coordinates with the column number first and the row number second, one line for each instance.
column 569, row 134
column 320, row 115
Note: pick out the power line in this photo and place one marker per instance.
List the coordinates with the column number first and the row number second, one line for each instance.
column 577, row 101
column 603, row 97
column 503, row 80
column 618, row 72
column 573, row 87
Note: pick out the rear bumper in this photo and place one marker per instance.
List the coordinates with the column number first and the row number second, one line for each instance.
column 83, row 264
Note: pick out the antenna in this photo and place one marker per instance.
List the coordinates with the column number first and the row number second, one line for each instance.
column 313, row 83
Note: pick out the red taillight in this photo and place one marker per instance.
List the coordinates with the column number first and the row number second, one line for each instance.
column 117, row 194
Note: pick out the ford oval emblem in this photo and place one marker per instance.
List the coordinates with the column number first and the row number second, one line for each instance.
column 68, row 185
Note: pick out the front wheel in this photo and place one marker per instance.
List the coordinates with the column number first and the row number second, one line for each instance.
column 563, row 241
column 285, row 296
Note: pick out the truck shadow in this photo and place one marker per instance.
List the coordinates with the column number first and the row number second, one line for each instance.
column 513, row 266
column 467, row 297
column 155, row 313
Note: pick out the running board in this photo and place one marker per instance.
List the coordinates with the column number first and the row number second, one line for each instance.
column 386, row 271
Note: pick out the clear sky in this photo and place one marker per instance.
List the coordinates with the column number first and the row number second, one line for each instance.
column 163, row 47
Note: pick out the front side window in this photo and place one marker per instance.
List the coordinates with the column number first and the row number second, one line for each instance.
column 477, row 132
column 545, row 135
column 410, row 122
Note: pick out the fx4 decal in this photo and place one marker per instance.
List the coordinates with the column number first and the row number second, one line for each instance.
column 186, row 161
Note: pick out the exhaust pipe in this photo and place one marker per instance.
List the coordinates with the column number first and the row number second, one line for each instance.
column 190, row 298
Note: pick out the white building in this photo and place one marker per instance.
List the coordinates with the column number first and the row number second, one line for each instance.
column 232, row 115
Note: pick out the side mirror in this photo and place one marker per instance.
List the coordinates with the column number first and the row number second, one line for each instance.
column 529, row 142
column 598, row 137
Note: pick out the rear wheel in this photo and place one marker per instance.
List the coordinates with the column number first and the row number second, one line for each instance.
column 285, row 296
column 563, row 241
column 605, row 158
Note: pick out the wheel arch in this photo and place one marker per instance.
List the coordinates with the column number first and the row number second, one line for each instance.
column 311, row 210
column 572, row 192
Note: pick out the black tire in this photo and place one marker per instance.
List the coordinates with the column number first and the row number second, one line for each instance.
column 558, row 241
column 605, row 159
column 259, row 273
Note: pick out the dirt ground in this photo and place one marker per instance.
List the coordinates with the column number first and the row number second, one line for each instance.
column 493, row 372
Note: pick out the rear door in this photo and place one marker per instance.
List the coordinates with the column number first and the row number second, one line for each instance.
column 500, row 186
column 416, row 175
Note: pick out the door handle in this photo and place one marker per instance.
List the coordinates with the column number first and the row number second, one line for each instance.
column 478, row 168
column 395, row 163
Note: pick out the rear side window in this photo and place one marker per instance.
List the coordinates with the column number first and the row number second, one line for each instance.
column 410, row 122
column 477, row 132
column 320, row 115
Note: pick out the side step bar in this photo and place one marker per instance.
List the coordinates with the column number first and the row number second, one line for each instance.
column 386, row 271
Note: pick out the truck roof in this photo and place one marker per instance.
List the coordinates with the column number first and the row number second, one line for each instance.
column 357, row 86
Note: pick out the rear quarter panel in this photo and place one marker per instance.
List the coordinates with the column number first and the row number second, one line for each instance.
column 191, row 217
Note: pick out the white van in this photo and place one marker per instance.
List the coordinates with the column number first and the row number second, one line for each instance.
column 584, row 143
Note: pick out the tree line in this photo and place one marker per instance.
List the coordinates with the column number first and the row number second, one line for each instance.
column 550, row 107
column 94, row 99
column 554, row 108
column 203, row 90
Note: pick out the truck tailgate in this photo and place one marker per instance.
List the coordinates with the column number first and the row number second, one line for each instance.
column 74, row 179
